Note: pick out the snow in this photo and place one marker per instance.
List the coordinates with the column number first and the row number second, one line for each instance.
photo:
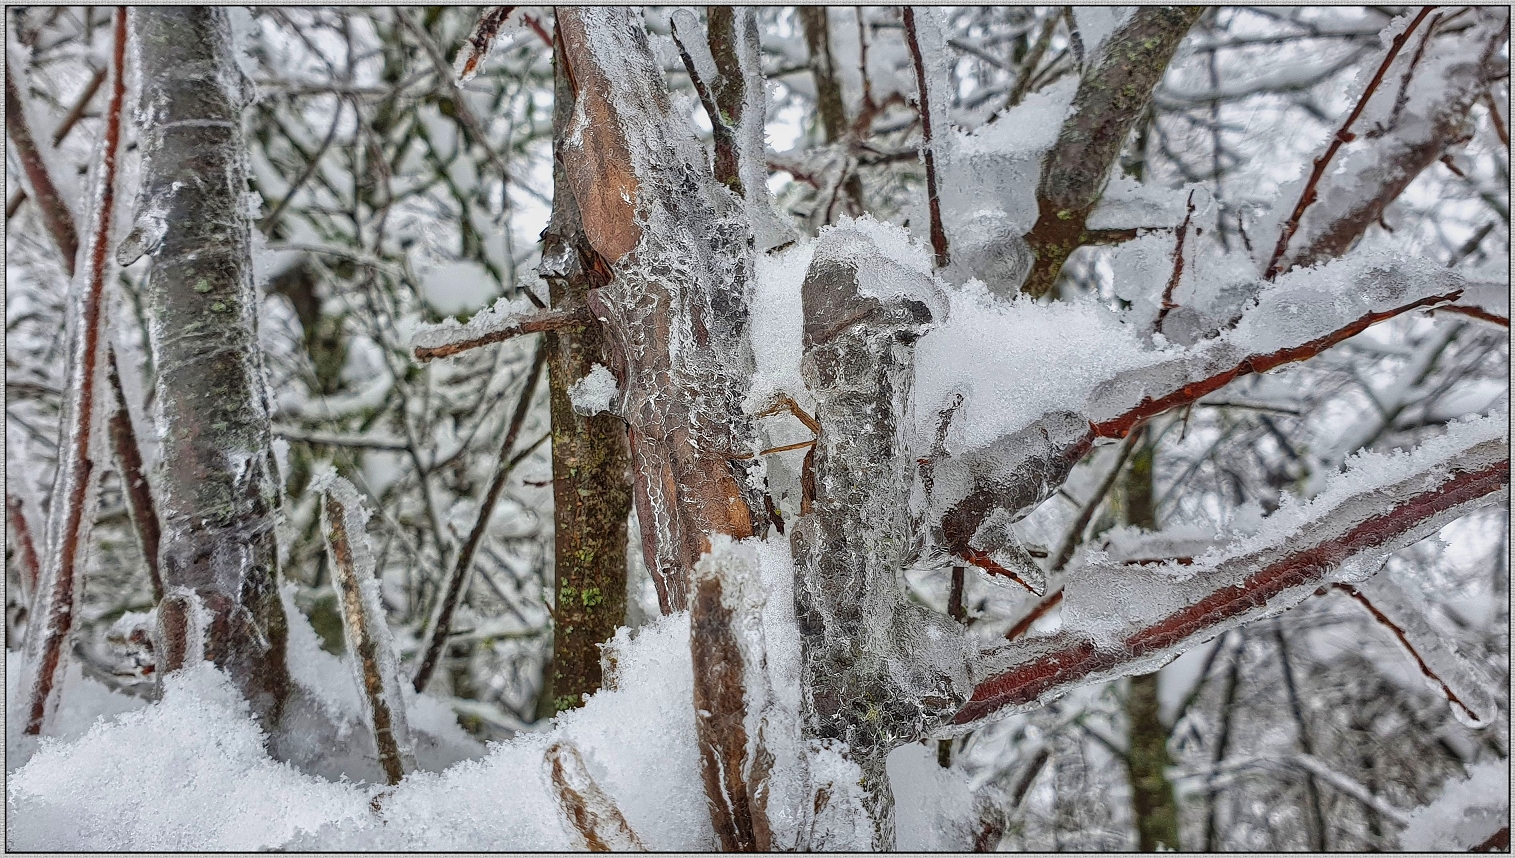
column 1467, row 812
column 201, row 779
column 595, row 392
column 500, row 316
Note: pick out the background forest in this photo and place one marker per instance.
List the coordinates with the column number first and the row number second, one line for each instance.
column 455, row 510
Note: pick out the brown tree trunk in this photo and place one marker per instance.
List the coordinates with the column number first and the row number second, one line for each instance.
column 216, row 487
column 591, row 490
column 1147, row 760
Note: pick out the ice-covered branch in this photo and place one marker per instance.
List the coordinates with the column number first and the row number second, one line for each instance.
column 1488, row 302
column 216, row 487
column 57, row 217
column 1120, row 620
column 1112, row 97
column 369, row 647
column 476, row 50
column 930, row 127
column 979, row 492
column 1441, row 663
column 505, row 320
column 56, row 601
column 1406, row 135
column 591, row 811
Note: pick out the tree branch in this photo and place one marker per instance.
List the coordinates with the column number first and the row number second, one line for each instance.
column 56, row 602
column 590, row 810
column 436, row 341
column 139, row 496
column 928, row 153
column 57, row 219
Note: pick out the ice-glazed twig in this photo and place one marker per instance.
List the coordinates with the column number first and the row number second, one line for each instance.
column 26, row 546
column 592, row 813
column 80, row 105
column 369, row 646
column 57, row 219
column 1342, row 136
column 1441, row 664
column 480, row 41
column 724, row 165
column 1178, row 266
column 1382, row 504
column 454, row 589
column 58, row 589
column 447, row 340
column 938, row 232
column 139, row 496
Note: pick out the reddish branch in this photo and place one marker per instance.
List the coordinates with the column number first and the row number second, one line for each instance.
column 1477, row 313
column 55, row 607
column 139, row 496
column 1343, row 136
column 1025, row 623
column 1074, row 659
column 1404, row 640
column 1178, row 267
column 56, row 217
column 938, row 232
column 591, row 812
column 547, row 320
column 26, row 548
column 1119, row 427
column 454, row 592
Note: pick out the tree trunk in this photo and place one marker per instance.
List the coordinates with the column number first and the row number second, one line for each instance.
column 591, row 490
column 1147, row 760
column 217, row 486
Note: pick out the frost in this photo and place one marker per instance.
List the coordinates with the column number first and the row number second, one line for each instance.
column 1467, row 812
column 499, row 317
column 595, row 392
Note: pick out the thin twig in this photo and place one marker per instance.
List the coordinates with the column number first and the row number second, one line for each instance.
column 938, row 232
column 58, row 591
column 547, row 320
column 1343, row 136
column 139, row 496
column 77, row 111
column 1178, row 267
column 57, row 219
column 449, row 601
column 1404, row 641
column 26, row 547
column 1076, row 532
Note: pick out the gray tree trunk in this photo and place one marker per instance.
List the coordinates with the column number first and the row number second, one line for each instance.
column 217, row 486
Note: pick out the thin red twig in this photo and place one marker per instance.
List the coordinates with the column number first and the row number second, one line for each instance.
column 139, row 496
column 938, row 232
column 56, row 617
column 1404, row 640
column 1343, row 136
column 1477, row 313
column 1178, row 267
column 536, row 27
column 26, row 547
column 56, row 217
column 1025, row 623
column 1079, row 658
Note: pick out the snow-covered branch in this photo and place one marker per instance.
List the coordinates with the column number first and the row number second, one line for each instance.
column 1119, row 620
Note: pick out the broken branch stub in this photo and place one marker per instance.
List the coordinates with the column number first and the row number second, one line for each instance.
column 875, row 665
column 591, row 812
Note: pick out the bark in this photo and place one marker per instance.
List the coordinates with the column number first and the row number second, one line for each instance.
column 218, row 493
column 1112, row 97
column 591, row 491
column 1147, row 760
column 674, row 309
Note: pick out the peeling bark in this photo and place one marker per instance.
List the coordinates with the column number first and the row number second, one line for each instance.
column 591, row 490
